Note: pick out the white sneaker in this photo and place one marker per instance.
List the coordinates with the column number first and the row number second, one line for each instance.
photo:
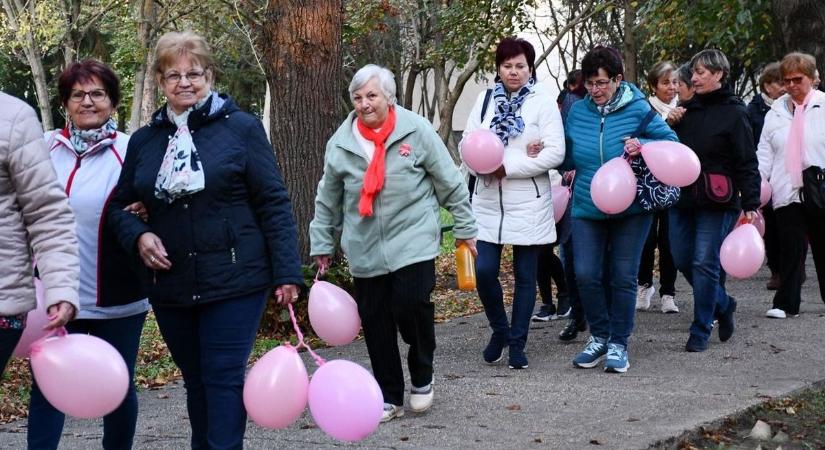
column 775, row 313
column 643, row 296
column 669, row 305
column 391, row 412
column 421, row 398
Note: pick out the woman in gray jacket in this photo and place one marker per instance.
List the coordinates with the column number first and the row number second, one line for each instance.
column 36, row 216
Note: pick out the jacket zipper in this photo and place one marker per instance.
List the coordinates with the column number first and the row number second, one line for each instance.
column 535, row 185
column 71, row 175
column 601, row 141
column 501, row 206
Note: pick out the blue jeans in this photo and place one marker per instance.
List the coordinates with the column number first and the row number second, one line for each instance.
column 525, row 262
column 607, row 254
column 46, row 422
column 211, row 344
column 696, row 236
column 8, row 341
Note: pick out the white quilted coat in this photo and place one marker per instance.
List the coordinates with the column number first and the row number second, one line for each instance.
column 517, row 209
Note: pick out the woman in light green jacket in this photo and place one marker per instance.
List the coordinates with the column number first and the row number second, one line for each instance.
column 386, row 172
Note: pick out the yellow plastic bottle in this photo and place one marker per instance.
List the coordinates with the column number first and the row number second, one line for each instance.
column 465, row 268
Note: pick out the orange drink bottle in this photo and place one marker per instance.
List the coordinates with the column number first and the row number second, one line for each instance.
column 465, row 268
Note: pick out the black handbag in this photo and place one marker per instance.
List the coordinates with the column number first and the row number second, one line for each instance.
column 651, row 193
column 812, row 193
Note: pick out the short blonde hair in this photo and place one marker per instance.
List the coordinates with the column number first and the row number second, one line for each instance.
column 799, row 62
column 175, row 44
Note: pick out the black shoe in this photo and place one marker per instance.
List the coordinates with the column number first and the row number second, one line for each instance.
column 695, row 344
column 726, row 323
column 494, row 350
column 571, row 331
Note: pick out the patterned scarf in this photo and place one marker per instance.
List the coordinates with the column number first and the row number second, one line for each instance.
column 795, row 143
column 622, row 96
column 374, row 176
column 83, row 140
column 507, row 122
column 181, row 172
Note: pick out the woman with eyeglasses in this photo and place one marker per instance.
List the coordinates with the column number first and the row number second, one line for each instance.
column 716, row 127
column 792, row 141
column 220, row 235
column 87, row 155
column 607, row 248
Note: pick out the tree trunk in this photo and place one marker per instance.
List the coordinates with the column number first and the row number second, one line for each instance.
column 801, row 25
column 146, row 14
column 302, row 57
column 630, row 51
column 150, row 91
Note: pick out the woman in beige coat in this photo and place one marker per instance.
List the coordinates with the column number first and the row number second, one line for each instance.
column 36, row 218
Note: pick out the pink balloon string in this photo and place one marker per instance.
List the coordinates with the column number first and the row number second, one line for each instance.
column 318, row 360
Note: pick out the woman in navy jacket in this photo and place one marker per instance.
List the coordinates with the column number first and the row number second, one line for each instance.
column 220, row 234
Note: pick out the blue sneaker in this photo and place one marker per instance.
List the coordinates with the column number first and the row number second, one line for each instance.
column 616, row 361
column 592, row 354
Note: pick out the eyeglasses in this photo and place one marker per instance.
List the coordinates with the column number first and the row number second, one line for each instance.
column 794, row 80
column 195, row 76
column 96, row 95
column 598, row 84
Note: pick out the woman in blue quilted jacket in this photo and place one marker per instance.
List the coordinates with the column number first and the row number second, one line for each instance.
column 607, row 248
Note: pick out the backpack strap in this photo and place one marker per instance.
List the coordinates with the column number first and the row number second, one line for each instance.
column 486, row 103
column 640, row 130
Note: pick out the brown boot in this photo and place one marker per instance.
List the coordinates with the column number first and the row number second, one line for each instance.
column 773, row 283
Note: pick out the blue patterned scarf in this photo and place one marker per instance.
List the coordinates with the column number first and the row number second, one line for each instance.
column 83, row 140
column 507, row 122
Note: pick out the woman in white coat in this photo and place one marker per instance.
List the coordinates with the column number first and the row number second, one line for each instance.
column 793, row 141
column 513, row 204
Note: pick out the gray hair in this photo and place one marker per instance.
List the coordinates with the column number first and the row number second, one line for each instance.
column 713, row 60
column 659, row 70
column 685, row 73
column 386, row 80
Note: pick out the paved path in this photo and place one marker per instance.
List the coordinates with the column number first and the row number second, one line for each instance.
column 551, row 404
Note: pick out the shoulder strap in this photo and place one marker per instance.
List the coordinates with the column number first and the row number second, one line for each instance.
column 644, row 123
column 486, row 102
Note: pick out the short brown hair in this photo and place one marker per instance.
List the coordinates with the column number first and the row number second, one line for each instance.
column 770, row 74
column 659, row 70
column 175, row 44
column 83, row 71
column 799, row 62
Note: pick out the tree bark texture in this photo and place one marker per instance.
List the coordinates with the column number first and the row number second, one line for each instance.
column 146, row 14
column 302, row 58
column 801, row 25
column 630, row 47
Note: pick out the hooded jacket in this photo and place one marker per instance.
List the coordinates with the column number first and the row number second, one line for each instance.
column 716, row 127
column 594, row 139
column 771, row 150
column 36, row 216
column 235, row 237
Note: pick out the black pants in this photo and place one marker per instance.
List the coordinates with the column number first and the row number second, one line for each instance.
column 550, row 268
column 399, row 302
column 8, row 341
column 771, row 239
column 658, row 237
column 794, row 223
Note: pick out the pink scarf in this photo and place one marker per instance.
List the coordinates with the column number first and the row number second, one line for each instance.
column 793, row 147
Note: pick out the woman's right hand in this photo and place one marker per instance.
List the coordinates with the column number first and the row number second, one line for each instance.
column 675, row 115
column 322, row 262
column 152, row 252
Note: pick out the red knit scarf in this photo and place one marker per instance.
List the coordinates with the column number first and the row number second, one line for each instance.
column 374, row 176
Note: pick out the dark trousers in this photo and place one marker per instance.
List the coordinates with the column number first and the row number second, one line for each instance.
column 771, row 238
column 794, row 223
column 658, row 238
column 46, row 422
column 696, row 236
column 211, row 344
column 399, row 302
column 550, row 268
column 576, row 310
column 488, row 264
column 8, row 340
column 607, row 267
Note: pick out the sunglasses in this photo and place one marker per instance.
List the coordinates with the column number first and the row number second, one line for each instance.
column 794, row 80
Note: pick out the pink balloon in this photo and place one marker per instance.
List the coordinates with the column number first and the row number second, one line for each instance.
column 482, row 151
column 759, row 222
column 671, row 162
column 613, row 188
column 80, row 375
column 742, row 252
column 333, row 313
column 276, row 388
column 765, row 193
column 345, row 400
column 560, row 196
column 35, row 321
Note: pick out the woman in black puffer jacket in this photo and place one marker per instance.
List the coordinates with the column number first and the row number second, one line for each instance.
column 717, row 128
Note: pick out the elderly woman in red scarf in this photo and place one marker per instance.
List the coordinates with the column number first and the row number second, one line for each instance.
column 386, row 173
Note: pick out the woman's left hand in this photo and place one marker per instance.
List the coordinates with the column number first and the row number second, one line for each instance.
column 534, row 148
column 632, row 147
column 500, row 172
column 470, row 243
column 286, row 294
column 750, row 216
column 138, row 209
